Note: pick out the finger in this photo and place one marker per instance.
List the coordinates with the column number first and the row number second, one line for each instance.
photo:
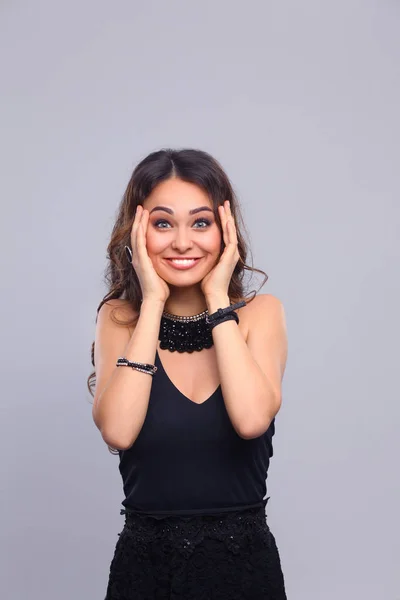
column 142, row 236
column 232, row 246
column 229, row 228
column 229, row 216
column 134, row 228
column 138, row 214
column 139, row 235
column 145, row 226
column 145, row 221
column 140, row 230
column 222, row 214
column 231, row 221
column 231, row 243
column 232, row 230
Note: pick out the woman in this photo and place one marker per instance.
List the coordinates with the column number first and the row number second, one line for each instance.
column 193, row 417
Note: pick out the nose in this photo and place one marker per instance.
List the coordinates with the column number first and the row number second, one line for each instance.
column 182, row 240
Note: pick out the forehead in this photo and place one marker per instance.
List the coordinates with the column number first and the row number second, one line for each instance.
column 178, row 195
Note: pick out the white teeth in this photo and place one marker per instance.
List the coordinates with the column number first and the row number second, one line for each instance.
column 183, row 261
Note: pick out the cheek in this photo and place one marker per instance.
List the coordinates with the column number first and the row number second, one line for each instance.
column 154, row 243
column 215, row 240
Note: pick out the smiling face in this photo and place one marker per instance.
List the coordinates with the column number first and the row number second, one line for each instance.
column 180, row 230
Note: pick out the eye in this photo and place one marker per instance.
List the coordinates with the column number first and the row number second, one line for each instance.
column 207, row 223
column 158, row 222
column 203, row 220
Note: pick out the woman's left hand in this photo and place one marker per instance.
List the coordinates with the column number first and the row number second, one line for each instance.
column 217, row 281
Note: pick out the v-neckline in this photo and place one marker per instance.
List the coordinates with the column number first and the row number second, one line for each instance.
column 179, row 391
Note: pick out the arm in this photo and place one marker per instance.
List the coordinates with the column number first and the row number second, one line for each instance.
column 122, row 393
column 251, row 373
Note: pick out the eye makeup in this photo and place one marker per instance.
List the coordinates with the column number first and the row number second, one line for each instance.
column 201, row 219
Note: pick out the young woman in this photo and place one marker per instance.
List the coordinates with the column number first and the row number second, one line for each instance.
column 188, row 374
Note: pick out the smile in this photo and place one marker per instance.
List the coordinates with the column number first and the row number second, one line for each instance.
column 182, row 263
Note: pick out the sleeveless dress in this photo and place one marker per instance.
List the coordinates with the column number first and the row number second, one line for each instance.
column 195, row 523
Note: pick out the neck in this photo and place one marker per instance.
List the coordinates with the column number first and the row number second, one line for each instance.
column 185, row 301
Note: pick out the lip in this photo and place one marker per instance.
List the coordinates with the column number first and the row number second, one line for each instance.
column 183, row 267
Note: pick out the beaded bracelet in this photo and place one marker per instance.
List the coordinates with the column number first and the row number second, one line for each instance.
column 143, row 367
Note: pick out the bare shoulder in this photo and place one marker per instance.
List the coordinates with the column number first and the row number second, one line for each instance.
column 254, row 310
column 117, row 311
column 116, row 321
column 265, row 303
column 266, row 311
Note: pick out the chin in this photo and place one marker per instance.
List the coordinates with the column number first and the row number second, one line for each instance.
column 183, row 278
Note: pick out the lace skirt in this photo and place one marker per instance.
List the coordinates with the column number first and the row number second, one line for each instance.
column 202, row 557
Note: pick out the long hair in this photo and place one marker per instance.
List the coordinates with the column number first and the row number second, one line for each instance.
column 193, row 166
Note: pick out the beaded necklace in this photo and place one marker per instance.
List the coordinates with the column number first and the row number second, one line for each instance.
column 184, row 334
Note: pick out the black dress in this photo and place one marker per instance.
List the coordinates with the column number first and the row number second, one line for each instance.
column 195, row 523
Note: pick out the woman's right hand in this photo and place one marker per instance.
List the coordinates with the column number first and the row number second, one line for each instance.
column 153, row 286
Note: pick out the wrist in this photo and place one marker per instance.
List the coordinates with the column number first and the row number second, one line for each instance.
column 217, row 301
column 153, row 304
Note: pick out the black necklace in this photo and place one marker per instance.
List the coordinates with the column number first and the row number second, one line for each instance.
column 184, row 334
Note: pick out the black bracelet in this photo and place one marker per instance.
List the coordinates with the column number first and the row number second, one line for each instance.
column 218, row 314
column 229, row 317
column 143, row 367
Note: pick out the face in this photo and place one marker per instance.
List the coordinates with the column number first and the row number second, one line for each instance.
column 173, row 232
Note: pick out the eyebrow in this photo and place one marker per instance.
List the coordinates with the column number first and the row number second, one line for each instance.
column 191, row 212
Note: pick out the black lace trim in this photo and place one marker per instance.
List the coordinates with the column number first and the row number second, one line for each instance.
column 184, row 533
column 200, row 557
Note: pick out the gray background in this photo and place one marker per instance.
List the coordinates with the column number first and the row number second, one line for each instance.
column 300, row 102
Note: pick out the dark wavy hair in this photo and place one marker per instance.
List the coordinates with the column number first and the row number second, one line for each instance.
column 191, row 165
